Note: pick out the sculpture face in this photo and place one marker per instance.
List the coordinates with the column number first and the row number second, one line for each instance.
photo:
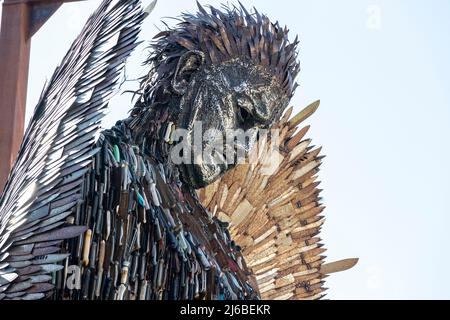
column 217, row 100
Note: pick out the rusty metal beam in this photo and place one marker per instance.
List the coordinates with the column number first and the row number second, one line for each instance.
column 40, row 13
column 15, row 55
column 37, row 1
column 20, row 20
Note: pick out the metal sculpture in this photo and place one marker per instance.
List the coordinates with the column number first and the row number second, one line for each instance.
column 91, row 214
column 274, row 212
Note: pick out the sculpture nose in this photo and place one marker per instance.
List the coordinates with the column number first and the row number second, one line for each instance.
column 262, row 111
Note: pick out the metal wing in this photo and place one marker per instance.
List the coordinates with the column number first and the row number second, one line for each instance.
column 44, row 184
column 274, row 210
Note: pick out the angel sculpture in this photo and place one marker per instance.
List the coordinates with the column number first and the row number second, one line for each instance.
column 91, row 214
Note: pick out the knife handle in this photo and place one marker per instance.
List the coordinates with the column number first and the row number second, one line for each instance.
column 86, row 247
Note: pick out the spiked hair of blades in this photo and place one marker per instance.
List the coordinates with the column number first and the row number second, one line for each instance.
column 232, row 33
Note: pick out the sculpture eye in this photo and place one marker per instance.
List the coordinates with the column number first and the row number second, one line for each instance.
column 244, row 115
column 244, row 110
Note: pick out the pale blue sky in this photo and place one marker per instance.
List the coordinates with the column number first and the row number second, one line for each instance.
column 382, row 72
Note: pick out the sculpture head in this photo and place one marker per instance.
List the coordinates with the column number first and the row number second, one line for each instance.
column 219, row 72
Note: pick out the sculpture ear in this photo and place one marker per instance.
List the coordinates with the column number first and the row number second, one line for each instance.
column 188, row 64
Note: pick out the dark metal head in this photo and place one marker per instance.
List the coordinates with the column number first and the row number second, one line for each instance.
column 227, row 70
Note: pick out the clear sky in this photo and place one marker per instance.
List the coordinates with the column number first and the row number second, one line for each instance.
column 382, row 71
